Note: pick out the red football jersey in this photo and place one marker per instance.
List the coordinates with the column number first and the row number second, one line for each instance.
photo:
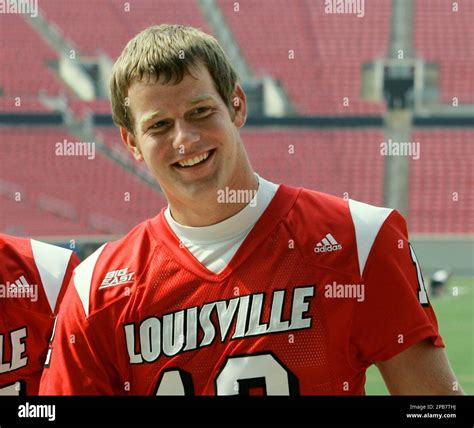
column 319, row 290
column 33, row 279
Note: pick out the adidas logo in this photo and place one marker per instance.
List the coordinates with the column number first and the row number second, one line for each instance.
column 19, row 289
column 327, row 245
column 21, row 282
column 22, row 285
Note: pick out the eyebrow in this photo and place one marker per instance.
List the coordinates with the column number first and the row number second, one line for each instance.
column 149, row 116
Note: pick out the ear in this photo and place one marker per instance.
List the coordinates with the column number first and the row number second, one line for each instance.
column 131, row 144
column 239, row 106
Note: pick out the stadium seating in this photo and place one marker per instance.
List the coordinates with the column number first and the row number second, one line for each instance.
column 66, row 195
column 81, row 108
column 329, row 50
column 23, row 104
column 445, row 167
column 24, row 54
column 343, row 163
column 118, row 21
column 78, row 23
column 444, row 37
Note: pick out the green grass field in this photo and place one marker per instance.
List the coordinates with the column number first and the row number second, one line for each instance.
column 456, row 323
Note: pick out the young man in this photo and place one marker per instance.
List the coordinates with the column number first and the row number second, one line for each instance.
column 33, row 279
column 289, row 292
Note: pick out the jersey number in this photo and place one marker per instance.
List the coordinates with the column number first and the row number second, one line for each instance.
column 238, row 376
column 422, row 294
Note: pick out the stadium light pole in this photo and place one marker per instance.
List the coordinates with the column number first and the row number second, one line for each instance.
column 398, row 119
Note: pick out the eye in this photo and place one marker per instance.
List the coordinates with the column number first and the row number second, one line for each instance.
column 159, row 124
column 201, row 110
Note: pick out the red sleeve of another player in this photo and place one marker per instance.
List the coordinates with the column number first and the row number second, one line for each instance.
column 395, row 312
column 74, row 365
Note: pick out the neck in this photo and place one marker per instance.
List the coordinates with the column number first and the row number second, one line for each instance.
column 216, row 206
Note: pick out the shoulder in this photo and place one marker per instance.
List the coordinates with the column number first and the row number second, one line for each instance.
column 110, row 274
column 13, row 245
column 43, row 254
column 319, row 208
column 373, row 223
column 322, row 202
column 354, row 225
column 36, row 262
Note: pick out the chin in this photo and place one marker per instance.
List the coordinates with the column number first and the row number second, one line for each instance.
column 198, row 188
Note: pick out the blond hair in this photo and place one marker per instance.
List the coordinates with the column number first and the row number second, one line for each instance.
column 170, row 51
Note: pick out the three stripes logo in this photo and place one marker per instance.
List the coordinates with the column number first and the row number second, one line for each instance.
column 21, row 283
column 327, row 245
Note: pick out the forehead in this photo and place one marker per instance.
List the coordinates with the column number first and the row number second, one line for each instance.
column 152, row 93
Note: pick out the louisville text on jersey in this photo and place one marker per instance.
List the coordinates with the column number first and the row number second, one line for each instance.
column 178, row 331
column 17, row 357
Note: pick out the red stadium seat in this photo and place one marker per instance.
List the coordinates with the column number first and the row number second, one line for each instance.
column 91, row 189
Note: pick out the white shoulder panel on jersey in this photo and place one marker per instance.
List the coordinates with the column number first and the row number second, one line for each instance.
column 52, row 262
column 367, row 222
column 83, row 277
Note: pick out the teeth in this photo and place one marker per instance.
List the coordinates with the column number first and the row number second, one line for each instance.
column 194, row 160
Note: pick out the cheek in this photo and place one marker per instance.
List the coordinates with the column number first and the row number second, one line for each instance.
column 154, row 150
column 227, row 141
column 217, row 124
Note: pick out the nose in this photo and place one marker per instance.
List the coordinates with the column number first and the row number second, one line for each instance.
column 185, row 136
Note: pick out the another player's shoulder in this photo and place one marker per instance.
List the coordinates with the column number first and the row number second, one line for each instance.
column 11, row 246
column 110, row 273
column 37, row 251
column 30, row 263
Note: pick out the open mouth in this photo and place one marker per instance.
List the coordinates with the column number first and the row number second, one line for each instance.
column 195, row 161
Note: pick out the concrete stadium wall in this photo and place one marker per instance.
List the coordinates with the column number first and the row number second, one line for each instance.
column 452, row 252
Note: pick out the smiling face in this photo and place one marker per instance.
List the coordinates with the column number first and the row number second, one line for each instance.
column 185, row 134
